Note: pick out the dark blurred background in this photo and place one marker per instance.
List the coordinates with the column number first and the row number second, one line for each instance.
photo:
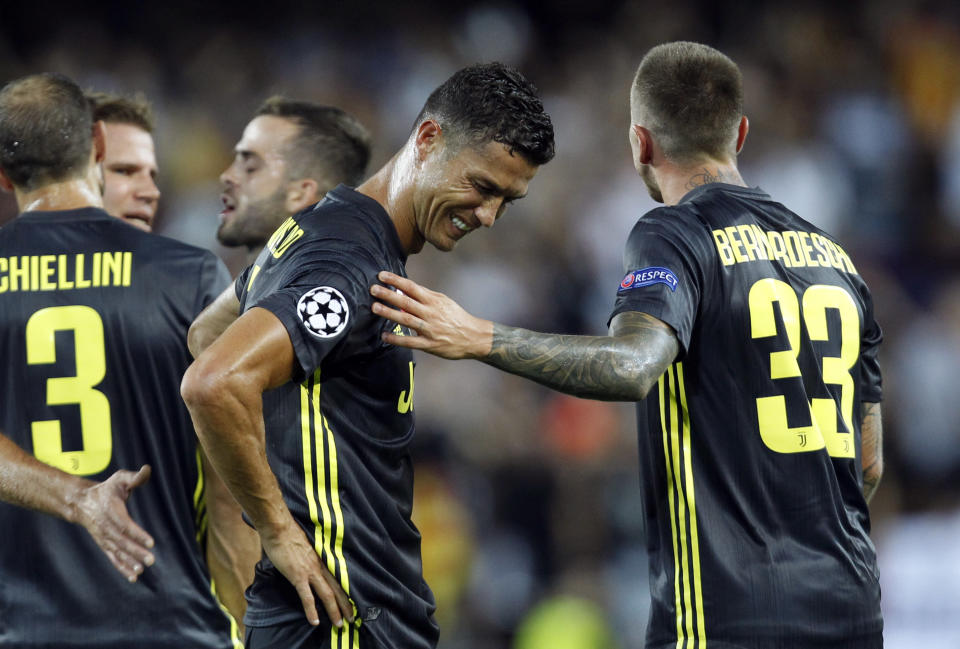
column 528, row 499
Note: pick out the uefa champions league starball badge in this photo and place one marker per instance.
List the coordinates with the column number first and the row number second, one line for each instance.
column 323, row 311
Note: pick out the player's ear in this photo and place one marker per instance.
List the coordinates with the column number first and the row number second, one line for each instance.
column 428, row 137
column 5, row 183
column 99, row 141
column 301, row 193
column 644, row 144
column 742, row 132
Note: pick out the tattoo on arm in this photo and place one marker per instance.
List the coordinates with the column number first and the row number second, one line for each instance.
column 620, row 367
column 871, row 430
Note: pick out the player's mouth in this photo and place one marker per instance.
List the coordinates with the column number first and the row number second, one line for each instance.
column 229, row 207
column 142, row 220
column 461, row 224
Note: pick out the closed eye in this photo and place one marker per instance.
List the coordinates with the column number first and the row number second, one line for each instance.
column 248, row 161
column 484, row 190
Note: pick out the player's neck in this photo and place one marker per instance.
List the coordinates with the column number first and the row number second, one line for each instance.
column 392, row 187
column 67, row 195
column 253, row 252
column 678, row 181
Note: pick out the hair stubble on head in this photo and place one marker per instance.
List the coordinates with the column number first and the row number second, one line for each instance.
column 690, row 96
column 45, row 130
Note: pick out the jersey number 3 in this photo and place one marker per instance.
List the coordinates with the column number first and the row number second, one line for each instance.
column 87, row 328
column 772, row 410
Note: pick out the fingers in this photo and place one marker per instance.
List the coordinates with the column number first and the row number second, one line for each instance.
column 400, row 317
column 126, row 481
column 313, row 585
column 344, row 602
column 139, row 540
column 134, row 540
column 129, row 572
column 394, row 298
column 410, row 342
column 408, row 286
column 420, row 341
column 105, row 517
column 141, row 477
column 334, row 600
column 127, row 532
column 126, row 544
column 126, row 564
column 132, row 534
column 309, row 604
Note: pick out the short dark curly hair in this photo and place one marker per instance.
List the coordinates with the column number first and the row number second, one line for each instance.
column 46, row 130
column 491, row 102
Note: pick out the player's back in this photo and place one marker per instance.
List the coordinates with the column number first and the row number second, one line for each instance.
column 93, row 322
column 752, row 450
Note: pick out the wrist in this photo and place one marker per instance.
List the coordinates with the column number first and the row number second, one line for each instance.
column 276, row 527
column 76, row 492
column 484, row 340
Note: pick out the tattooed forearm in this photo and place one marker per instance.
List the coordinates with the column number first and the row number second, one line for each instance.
column 872, row 441
column 621, row 367
column 707, row 176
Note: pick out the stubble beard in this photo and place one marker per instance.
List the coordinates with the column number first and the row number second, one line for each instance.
column 646, row 174
column 253, row 227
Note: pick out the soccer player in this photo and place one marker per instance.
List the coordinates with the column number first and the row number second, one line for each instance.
column 302, row 408
column 93, row 322
column 291, row 154
column 748, row 339
column 129, row 163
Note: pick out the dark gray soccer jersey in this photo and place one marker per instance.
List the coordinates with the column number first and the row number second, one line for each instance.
column 750, row 443
column 93, row 322
column 337, row 435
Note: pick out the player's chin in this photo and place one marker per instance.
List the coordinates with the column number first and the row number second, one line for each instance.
column 228, row 235
column 444, row 244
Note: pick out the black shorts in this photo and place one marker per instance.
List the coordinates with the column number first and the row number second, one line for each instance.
column 300, row 635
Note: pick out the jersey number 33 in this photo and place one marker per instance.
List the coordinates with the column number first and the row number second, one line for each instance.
column 810, row 310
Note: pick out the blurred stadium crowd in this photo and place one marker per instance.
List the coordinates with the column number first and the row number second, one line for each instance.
column 527, row 499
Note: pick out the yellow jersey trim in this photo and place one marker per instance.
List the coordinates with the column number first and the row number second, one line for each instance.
column 688, row 586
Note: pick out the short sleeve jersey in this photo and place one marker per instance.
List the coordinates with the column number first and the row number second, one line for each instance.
column 93, row 322
column 750, row 443
column 337, row 435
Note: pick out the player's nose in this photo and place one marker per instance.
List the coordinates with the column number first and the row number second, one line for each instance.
column 227, row 178
column 487, row 212
column 148, row 190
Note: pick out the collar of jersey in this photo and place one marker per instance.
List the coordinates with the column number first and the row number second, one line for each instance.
column 79, row 214
column 697, row 191
column 371, row 207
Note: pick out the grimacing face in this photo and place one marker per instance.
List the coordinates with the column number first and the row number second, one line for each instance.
column 130, row 175
column 465, row 188
column 254, row 185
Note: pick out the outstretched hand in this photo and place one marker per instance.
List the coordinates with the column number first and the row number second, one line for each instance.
column 291, row 553
column 101, row 509
column 442, row 326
